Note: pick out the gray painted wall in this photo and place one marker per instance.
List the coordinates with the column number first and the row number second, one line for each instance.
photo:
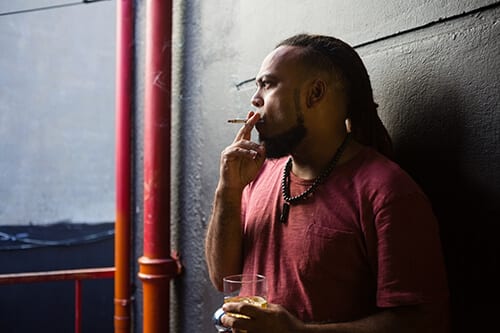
column 57, row 112
column 436, row 81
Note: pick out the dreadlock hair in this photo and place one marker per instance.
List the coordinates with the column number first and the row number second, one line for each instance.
column 338, row 58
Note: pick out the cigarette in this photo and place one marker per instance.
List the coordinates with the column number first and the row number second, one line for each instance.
column 237, row 121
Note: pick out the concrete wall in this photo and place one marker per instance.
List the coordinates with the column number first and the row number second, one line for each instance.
column 57, row 114
column 57, row 66
column 434, row 66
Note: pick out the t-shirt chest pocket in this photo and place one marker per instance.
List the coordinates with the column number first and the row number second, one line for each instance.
column 330, row 252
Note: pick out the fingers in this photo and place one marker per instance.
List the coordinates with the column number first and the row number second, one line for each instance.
column 243, row 308
column 238, row 316
column 274, row 318
column 241, row 161
column 245, row 132
column 243, row 149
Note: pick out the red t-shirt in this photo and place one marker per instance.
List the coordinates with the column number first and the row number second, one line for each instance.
column 366, row 238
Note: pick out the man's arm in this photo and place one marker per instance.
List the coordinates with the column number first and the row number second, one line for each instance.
column 223, row 242
column 240, row 163
column 424, row 318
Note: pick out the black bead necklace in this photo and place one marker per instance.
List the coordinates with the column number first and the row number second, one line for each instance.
column 285, row 181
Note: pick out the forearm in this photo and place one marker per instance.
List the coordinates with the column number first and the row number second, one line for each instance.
column 223, row 242
column 384, row 322
column 410, row 319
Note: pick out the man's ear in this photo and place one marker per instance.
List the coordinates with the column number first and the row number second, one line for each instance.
column 316, row 92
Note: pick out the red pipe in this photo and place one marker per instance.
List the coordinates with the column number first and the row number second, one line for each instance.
column 157, row 267
column 124, row 70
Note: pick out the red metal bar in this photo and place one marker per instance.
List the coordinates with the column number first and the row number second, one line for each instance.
column 157, row 266
column 124, row 71
column 78, row 306
column 72, row 274
column 75, row 274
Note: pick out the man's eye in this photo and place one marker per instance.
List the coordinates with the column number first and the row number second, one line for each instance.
column 264, row 84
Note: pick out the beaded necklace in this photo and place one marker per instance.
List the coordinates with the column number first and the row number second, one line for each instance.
column 285, row 181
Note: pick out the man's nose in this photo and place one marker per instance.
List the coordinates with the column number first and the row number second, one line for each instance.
column 257, row 101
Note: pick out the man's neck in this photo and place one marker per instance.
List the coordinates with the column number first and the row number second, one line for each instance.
column 309, row 163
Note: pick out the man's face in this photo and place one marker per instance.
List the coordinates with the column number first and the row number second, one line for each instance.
column 279, row 101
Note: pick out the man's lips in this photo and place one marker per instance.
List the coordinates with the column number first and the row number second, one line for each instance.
column 259, row 125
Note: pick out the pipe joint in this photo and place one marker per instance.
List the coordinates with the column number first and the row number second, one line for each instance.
column 151, row 269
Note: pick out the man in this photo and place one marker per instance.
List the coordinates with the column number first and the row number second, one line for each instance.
column 347, row 241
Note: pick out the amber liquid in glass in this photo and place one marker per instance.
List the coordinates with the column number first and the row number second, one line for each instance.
column 253, row 300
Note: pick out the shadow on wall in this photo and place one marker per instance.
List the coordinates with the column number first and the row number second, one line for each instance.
column 436, row 147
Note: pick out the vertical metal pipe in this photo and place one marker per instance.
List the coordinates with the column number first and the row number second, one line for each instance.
column 78, row 306
column 156, row 266
column 124, row 71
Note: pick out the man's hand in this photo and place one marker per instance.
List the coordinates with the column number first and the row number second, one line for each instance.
column 241, row 161
column 273, row 319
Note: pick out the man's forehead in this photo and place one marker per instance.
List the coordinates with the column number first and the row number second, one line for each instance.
column 281, row 56
column 283, row 53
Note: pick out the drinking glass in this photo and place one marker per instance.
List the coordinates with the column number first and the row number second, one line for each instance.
column 248, row 288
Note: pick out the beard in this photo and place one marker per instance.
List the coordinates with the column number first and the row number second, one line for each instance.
column 283, row 144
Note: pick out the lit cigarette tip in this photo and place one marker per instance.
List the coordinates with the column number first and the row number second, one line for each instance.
column 237, row 121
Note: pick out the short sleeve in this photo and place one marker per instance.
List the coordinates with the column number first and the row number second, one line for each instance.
column 410, row 265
